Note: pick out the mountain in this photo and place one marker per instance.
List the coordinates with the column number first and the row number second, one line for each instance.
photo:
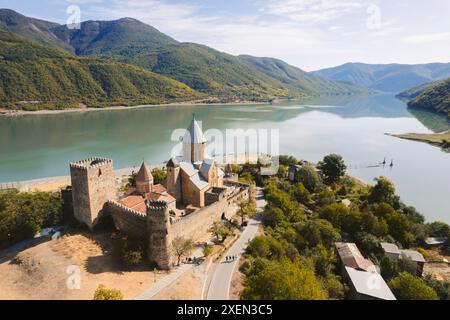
column 301, row 80
column 200, row 67
column 33, row 76
column 109, row 39
column 434, row 97
column 39, row 30
column 392, row 78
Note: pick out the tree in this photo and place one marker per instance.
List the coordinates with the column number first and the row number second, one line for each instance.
column 334, row 287
column 159, row 175
column 103, row 293
column 312, row 233
column 389, row 268
column 409, row 287
column 442, row 288
column 23, row 214
column 182, row 247
column 246, row 177
column 284, row 280
column 220, row 230
column 132, row 179
column 325, row 197
column 265, row 247
column 308, row 175
column 207, row 250
column 383, row 192
column 246, row 209
column 131, row 250
column 439, row 229
column 288, row 160
column 333, row 168
column 300, row 193
column 335, row 213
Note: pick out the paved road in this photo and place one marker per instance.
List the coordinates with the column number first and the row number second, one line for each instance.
column 171, row 278
column 219, row 288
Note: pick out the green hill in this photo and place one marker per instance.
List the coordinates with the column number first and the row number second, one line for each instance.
column 36, row 77
column 297, row 79
column 39, row 30
column 200, row 67
column 434, row 97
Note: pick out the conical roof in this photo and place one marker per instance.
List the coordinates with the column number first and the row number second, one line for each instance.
column 194, row 133
column 144, row 174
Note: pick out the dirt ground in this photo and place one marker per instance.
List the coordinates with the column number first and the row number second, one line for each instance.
column 47, row 270
column 436, row 267
column 188, row 287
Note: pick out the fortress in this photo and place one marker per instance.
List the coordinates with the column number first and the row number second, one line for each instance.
column 198, row 193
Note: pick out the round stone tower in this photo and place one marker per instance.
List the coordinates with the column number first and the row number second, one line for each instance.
column 159, row 232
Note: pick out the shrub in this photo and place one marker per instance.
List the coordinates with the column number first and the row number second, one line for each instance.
column 409, row 287
column 103, row 293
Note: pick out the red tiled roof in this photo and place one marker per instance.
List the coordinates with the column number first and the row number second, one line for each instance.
column 132, row 201
column 137, row 202
column 158, row 188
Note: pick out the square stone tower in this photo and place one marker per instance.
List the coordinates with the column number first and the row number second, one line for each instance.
column 93, row 184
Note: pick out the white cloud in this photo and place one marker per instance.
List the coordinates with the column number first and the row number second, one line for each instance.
column 427, row 38
column 307, row 33
column 313, row 11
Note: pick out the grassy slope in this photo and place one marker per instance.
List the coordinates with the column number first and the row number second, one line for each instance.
column 31, row 72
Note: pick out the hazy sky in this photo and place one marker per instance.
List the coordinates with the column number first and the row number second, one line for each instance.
column 310, row 34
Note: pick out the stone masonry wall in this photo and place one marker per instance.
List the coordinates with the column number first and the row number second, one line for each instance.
column 196, row 225
column 128, row 221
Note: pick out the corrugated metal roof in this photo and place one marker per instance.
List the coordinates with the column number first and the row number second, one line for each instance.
column 352, row 257
column 370, row 284
column 194, row 133
column 205, row 167
column 390, row 248
column 413, row 255
column 199, row 181
column 188, row 168
column 435, row 241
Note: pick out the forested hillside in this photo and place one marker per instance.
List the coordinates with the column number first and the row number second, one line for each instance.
column 35, row 77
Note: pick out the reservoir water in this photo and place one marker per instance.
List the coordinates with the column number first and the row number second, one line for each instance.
column 37, row 146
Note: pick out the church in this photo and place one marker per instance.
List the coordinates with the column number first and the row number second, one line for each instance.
column 191, row 175
column 196, row 194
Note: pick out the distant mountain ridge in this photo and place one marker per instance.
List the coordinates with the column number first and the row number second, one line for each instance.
column 200, row 67
column 434, row 97
column 392, row 78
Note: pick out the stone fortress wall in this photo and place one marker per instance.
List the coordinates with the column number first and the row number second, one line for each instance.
column 94, row 195
column 192, row 226
column 127, row 220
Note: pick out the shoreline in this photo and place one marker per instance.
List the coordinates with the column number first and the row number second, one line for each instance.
column 54, row 183
column 18, row 113
column 433, row 139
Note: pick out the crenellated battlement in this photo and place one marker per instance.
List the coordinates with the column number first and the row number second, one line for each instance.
column 91, row 163
column 126, row 209
column 156, row 206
